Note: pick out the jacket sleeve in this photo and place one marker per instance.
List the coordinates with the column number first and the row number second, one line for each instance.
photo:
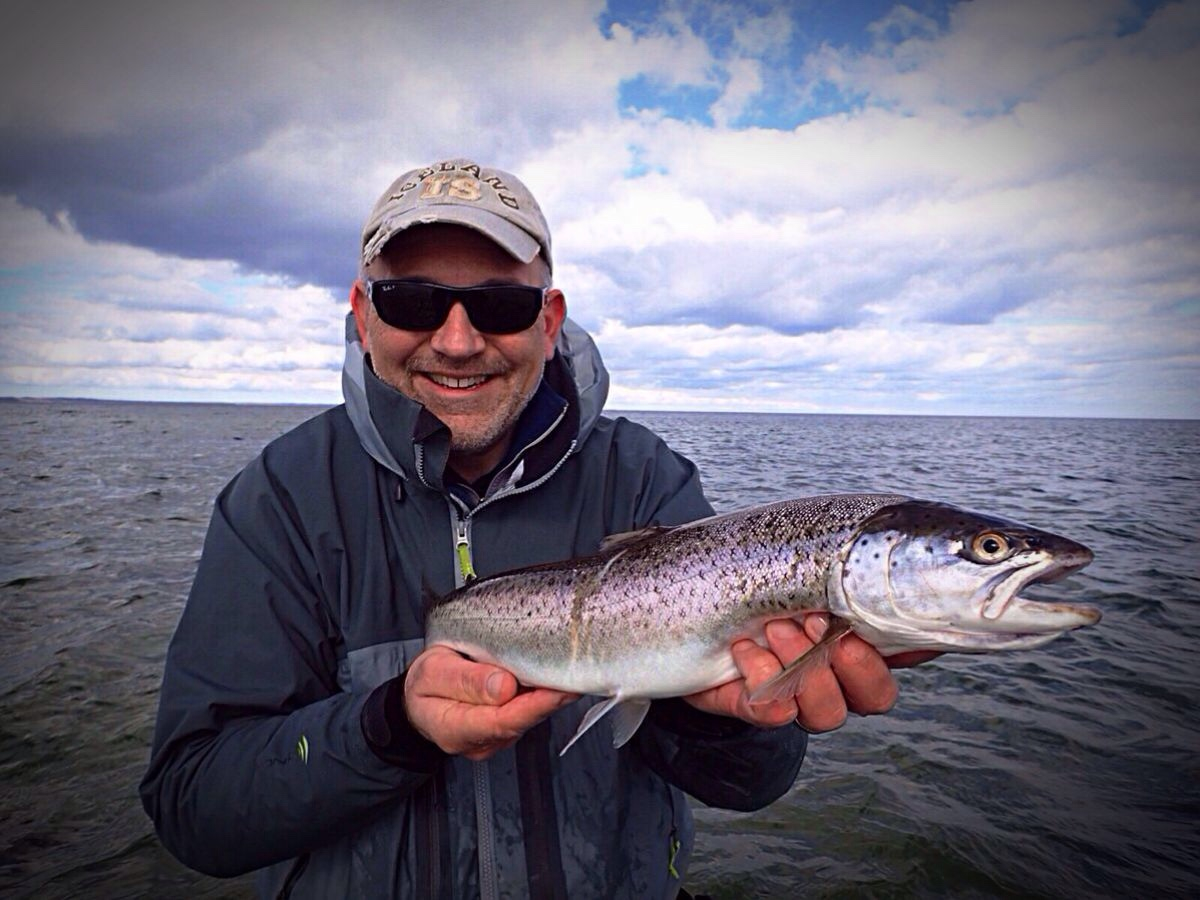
column 720, row 761
column 258, row 755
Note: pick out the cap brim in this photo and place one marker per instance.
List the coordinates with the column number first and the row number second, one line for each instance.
column 518, row 243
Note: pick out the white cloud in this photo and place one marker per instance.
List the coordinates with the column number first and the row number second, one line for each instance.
column 745, row 83
column 81, row 317
column 1014, row 202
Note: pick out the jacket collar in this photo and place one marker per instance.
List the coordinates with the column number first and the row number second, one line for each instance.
column 404, row 437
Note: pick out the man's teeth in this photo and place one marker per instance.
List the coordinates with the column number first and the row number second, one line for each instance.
column 467, row 382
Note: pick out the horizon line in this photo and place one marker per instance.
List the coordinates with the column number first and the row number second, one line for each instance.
column 45, row 398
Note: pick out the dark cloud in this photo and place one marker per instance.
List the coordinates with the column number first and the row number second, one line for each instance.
column 135, row 118
column 242, row 131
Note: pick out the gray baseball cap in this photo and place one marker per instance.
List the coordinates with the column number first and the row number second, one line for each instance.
column 460, row 192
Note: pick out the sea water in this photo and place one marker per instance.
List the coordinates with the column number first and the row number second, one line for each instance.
column 1068, row 771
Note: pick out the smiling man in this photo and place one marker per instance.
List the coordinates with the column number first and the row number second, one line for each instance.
column 475, row 382
column 305, row 731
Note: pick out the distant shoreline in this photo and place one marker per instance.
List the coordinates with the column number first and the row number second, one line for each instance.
column 611, row 411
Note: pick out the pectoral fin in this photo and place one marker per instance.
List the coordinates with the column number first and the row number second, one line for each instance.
column 627, row 717
column 790, row 679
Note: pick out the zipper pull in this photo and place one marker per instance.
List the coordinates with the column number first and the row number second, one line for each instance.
column 462, row 549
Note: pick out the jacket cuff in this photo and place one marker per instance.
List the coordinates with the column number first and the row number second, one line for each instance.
column 681, row 718
column 391, row 736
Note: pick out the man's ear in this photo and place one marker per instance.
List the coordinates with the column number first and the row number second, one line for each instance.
column 359, row 301
column 552, row 318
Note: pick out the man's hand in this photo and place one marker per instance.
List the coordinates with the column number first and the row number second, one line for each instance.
column 472, row 709
column 856, row 679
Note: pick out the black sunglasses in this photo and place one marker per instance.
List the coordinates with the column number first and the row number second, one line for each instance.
column 419, row 306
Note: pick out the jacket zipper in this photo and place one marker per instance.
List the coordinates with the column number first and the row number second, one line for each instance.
column 464, row 573
column 489, row 889
column 433, row 862
column 528, row 487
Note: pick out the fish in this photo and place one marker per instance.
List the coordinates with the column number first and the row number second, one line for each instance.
column 654, row 613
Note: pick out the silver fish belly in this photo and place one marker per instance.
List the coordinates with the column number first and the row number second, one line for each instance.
column 654, row 614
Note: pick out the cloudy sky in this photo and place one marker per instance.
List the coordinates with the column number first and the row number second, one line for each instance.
column 985, row 207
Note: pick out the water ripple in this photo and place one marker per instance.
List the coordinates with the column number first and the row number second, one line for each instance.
column 1069, row 771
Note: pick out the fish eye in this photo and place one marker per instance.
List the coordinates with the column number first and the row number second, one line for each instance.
column 991, row 546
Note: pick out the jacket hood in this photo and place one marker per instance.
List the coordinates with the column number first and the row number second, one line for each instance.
column 575, row 351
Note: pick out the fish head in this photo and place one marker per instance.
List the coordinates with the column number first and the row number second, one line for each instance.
column 925, row 575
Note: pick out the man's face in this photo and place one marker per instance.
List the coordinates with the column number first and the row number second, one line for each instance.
column 476, row 383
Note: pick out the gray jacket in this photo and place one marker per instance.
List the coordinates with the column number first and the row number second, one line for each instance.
column 307, row 604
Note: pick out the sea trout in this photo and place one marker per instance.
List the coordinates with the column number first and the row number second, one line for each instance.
column 654, row 613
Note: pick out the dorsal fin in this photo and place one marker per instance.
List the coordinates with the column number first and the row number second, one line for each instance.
column 623, row 540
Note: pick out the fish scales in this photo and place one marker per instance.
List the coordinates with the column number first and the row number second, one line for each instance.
column 655, row 613
column 698, row 581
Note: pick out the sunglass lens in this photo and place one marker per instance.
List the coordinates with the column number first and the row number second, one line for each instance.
column 505, row 310
column 409, row 305
column 414, row 306
column 425, row 308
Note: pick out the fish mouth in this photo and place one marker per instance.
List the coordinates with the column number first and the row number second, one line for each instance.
column 1005, row 610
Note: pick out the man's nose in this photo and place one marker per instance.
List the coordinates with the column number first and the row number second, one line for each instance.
column 457, row 336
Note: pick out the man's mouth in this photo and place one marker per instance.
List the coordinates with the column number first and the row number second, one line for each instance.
column 457, row 382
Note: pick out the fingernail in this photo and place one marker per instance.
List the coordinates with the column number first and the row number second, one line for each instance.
column 776, row 629
column 816, row 625
column 494, row 685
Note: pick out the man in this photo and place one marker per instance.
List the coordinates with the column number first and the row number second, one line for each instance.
column 304, row 730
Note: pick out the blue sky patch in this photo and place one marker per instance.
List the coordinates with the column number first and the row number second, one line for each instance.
column 686, row 102
column 638, row 166
column 789, row 96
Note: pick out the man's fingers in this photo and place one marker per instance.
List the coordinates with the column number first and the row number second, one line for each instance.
column 472, row 708
column 723, row 700
column 866, row 681
column 758, row 666
column 754, row 664
column 528, row 708
column 485, row 730
column 442, row 672
column 852, row 678
column 819, row 704
column 788, row 640
column 729, row 699
column 815, row 625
